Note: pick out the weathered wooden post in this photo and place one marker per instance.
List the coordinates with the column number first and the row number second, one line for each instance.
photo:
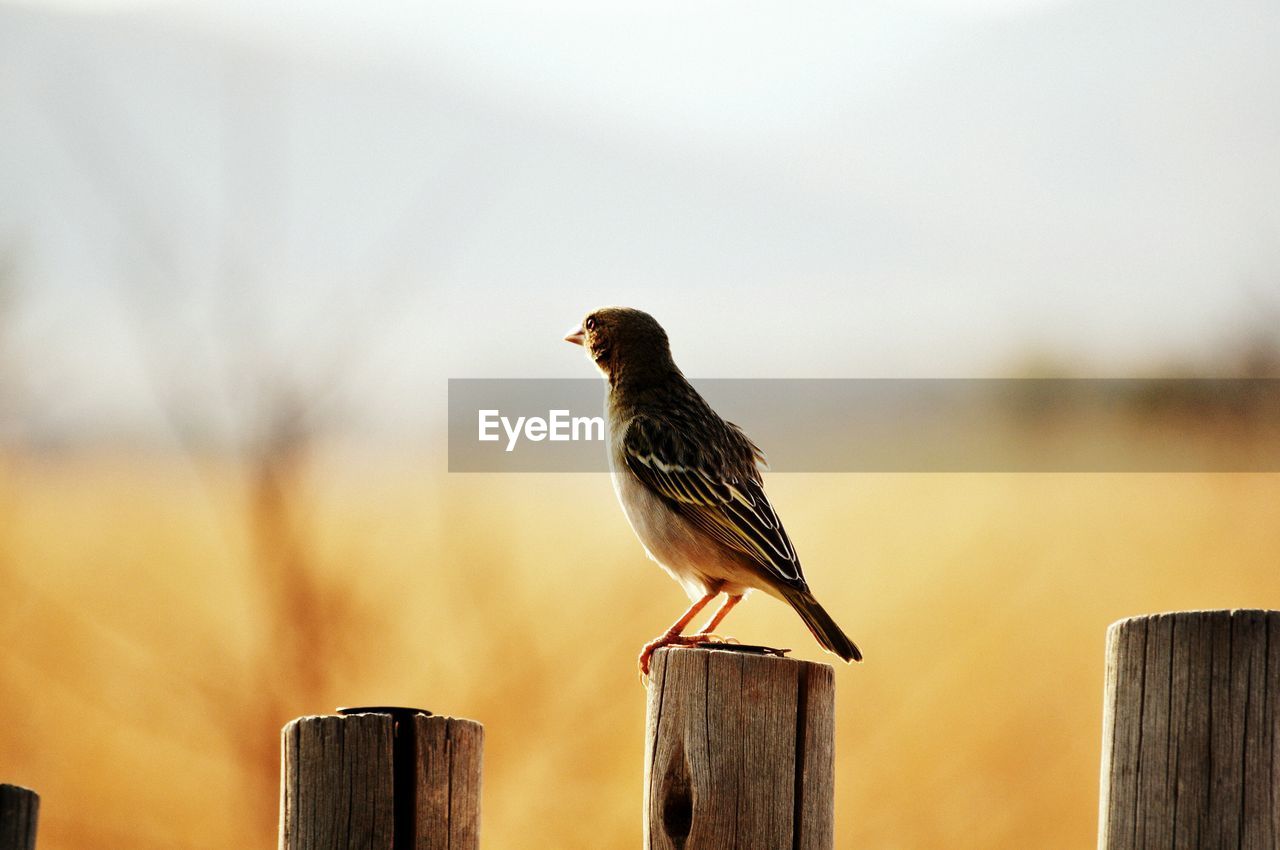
column 19, row 808
column 380, row 779
column 1191, row 732
column 739, row 752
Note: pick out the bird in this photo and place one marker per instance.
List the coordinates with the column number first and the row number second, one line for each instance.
column 690, row 485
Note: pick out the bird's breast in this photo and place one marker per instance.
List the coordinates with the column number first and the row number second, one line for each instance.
column 697, row 562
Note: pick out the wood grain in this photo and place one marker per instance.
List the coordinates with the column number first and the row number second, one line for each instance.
column 1190, row 720
column 739, row 752
column 19, row 810
column 448, row 783
column 375, row 782
column 338, row 791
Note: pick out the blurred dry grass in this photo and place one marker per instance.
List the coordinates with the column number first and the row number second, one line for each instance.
column 148, row 664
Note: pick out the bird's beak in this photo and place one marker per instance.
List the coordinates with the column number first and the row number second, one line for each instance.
column 577, row 336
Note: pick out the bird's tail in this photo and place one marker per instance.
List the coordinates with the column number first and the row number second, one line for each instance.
column 820, row 623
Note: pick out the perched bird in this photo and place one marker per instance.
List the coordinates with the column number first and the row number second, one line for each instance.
column 689, row 483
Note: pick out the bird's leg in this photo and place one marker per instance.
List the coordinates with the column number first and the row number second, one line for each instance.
column 672, row 635
column 729, row 602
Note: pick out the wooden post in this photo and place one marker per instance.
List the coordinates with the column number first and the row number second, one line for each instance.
column 19, row 808
column 739, row 752
column 380, row 779
column 1191, row 732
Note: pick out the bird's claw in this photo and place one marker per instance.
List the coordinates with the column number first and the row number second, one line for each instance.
column 669, row 639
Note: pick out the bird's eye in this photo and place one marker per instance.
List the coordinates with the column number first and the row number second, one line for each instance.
column 589, row 324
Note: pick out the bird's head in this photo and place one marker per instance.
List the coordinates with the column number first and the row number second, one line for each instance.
column 622, row 339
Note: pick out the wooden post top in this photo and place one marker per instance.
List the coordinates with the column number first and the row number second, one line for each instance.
column 381, row 778
column 1191, row 731
column 19, row 811
column 1193, row 615
column 739, row 745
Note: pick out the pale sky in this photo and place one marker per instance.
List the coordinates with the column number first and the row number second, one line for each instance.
column 423, row 191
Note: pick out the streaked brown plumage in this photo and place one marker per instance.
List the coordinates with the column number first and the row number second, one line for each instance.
column 690, row 485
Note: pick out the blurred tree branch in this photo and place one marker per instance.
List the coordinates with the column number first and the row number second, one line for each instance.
column 275, row 408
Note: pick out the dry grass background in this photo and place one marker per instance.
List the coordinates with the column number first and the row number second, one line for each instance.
column 161, row 618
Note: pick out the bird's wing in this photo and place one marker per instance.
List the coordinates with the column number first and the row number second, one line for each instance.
column 703, row 487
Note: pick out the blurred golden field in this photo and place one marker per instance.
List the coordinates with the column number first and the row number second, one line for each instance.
column 162, row 618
